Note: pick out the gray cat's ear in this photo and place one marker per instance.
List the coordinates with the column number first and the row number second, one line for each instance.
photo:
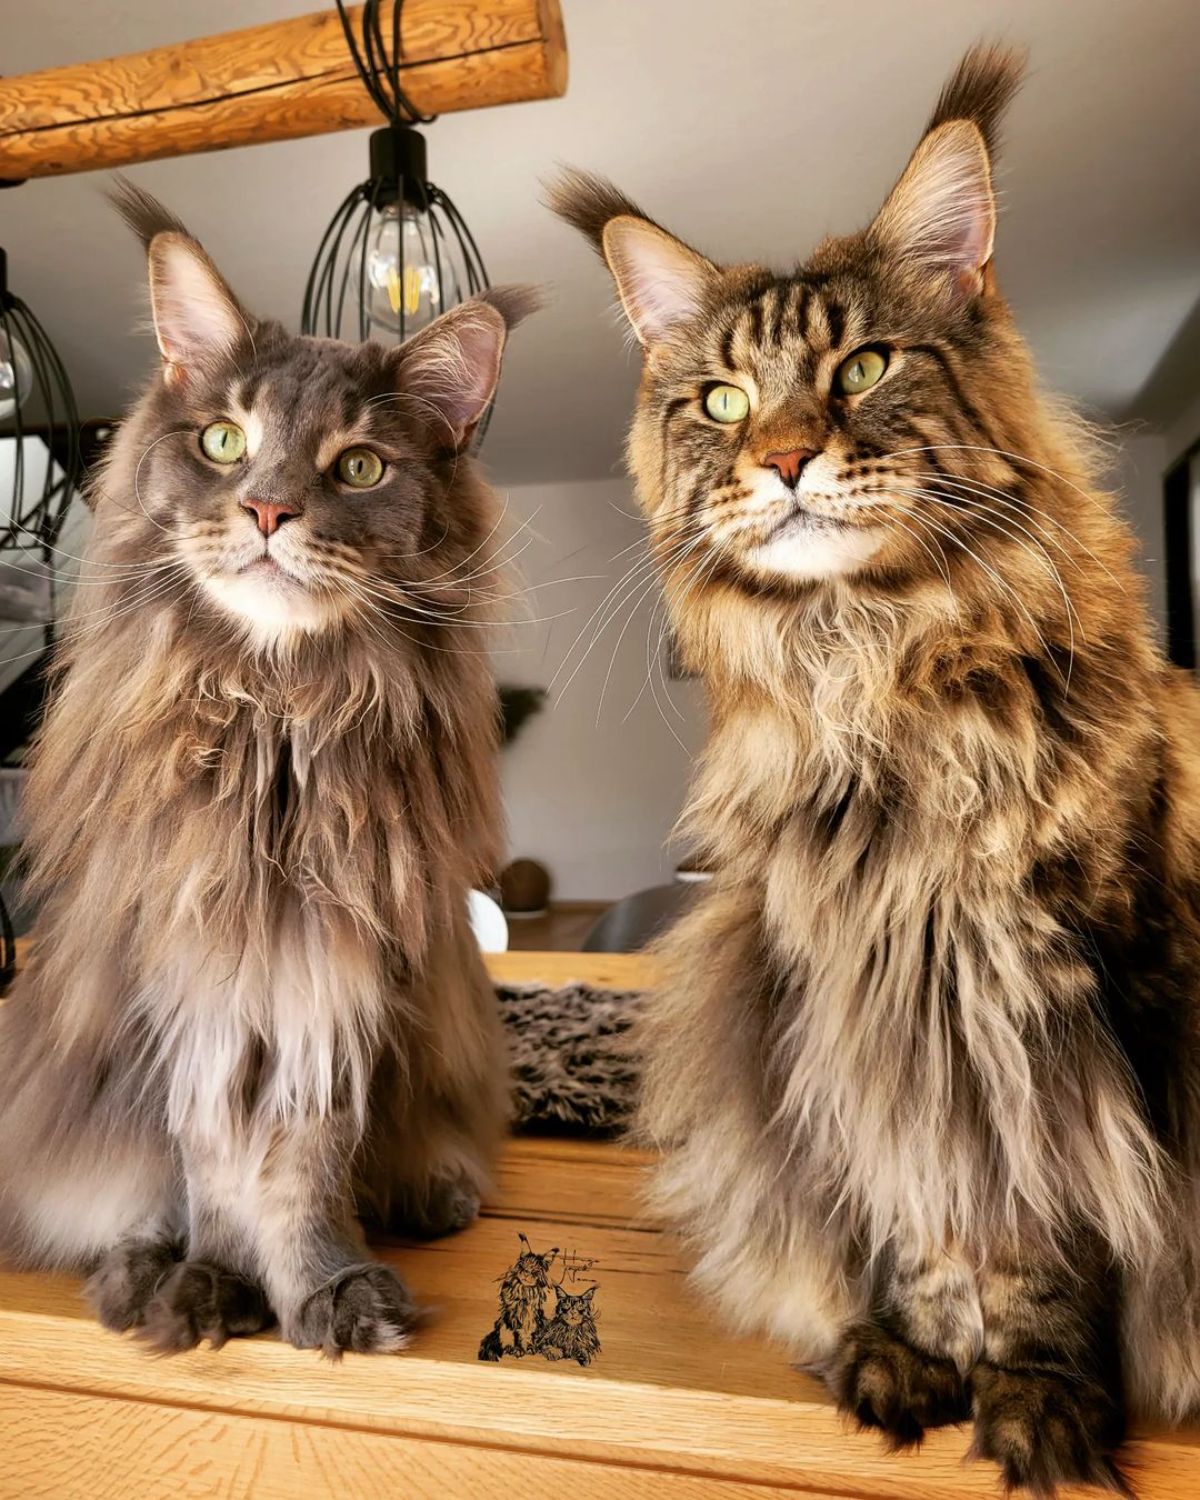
column 197, row 319
column 661, row 281
column 452, row 367
column 942, row 212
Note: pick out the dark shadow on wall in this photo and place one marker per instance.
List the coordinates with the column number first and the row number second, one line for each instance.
column 1174, row 383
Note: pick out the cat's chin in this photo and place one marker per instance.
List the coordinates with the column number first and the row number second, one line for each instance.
column 812, row 552
column 274, row 610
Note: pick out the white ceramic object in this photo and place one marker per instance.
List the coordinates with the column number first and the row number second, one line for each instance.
column 487, row 922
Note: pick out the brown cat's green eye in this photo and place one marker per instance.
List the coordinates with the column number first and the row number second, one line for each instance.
column 727, row 403
column 223, row 442
column 360, row 468
column 860, row 372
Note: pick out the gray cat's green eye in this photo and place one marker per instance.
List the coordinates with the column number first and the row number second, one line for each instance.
column 860, row 372
column 727, row 403
column 360, row 468
column 223, row 442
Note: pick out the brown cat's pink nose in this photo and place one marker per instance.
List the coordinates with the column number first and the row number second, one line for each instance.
column 790, row 465
column 270, row 514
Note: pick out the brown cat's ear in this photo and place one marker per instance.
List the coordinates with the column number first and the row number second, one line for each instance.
column 197, row 319
column 452, row 367
column 661, row 281
column 942, row 212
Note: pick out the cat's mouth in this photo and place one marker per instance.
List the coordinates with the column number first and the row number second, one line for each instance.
column 266, row 565
column 799, row 518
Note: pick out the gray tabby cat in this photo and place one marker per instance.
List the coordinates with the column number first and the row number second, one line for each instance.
column 263, row 789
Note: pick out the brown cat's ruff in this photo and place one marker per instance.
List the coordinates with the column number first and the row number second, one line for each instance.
column 926, row 1069
column 259, row 799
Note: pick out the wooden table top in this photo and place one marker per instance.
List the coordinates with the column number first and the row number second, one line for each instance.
column 672, row 1406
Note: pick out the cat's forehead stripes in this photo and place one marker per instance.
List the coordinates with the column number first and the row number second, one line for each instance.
column 787, row 312
column 276, row 409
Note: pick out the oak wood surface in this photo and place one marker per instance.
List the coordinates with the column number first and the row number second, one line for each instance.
column 134, row 1450
column 673, row 1406
column 273, row 82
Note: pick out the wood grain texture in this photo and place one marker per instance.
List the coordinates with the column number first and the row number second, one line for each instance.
column 626, row 971
column 669, row 1395
column 132, row 1450
column 673, row 1406
column 275, row 82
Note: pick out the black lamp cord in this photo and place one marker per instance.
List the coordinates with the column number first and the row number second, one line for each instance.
column 380, row 73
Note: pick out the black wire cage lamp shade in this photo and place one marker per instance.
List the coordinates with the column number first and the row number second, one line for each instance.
column 34, row 504
column 397, row 252
column 40, row 470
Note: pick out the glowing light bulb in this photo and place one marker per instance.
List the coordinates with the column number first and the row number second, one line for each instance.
column 16, row 375
column 402, row 290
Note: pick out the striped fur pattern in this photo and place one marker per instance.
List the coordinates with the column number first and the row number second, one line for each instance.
column 927, row 1067
column 262, row 791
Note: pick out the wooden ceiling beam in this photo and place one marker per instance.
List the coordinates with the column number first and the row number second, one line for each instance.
column 272, row 83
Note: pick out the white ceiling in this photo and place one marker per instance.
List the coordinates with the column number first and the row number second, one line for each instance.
column 751, row 128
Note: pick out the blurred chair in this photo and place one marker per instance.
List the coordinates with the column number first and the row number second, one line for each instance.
column 637, row 920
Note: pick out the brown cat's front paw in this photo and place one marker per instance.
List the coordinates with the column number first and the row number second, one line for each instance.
column 126, row 1280
column 365, row 1308
column 1046, row 1429
column 883, row 1382
column 443, row 1206
column 199, row 1301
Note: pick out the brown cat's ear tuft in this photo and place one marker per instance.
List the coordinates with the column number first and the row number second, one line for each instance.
column 587, row 202
column 942, row 212
column 452, row 367
column 661, row 281
column 197, row 319
column 980, row 90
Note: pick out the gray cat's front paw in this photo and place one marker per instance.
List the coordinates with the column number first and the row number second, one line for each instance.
column 126, row 1280
column 199, row 1301
column 364, row 1308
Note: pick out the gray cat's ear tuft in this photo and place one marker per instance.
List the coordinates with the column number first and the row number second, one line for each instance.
column 514, row 303
column 661, row 281
column 452, row 367
column 197, row 319
column 144, row 214
column 942, row 212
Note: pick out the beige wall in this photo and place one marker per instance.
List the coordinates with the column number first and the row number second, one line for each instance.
column 1137, row 478
column 592, row 789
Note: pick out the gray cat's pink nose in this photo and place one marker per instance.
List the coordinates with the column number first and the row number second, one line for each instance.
column 270, row 514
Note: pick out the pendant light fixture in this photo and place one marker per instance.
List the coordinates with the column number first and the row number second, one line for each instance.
column 35, row 499
column 397, row 252
column 38, row 481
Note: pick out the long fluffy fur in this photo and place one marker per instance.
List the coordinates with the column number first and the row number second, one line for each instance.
column 252, row 975
column 926, row 1067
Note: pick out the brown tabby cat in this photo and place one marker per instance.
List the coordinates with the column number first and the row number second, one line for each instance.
column 262, row 792
column 927, row 1067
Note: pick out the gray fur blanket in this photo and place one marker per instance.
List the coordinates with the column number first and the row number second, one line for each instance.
column 573, row 1070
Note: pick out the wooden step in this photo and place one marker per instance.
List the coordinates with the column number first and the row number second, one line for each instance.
column 671, row 1407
